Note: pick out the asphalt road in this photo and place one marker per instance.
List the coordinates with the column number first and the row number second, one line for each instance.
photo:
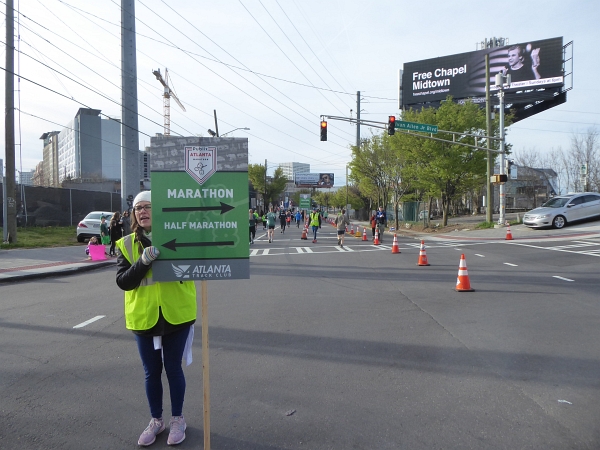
column 328, row 348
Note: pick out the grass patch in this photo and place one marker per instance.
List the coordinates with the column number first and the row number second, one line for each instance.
column 36, row 237
column 485, row 225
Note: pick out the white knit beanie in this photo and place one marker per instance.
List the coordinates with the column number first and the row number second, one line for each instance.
column 143, row 196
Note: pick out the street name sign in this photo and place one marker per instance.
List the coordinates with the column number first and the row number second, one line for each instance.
column 200, row 220
column 413, row 126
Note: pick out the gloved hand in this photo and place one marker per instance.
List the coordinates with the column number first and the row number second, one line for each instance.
column 149, row 255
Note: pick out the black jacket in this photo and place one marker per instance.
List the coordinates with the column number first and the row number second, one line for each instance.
column 129, row 276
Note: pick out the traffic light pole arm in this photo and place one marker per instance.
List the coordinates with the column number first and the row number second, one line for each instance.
column 383, row 125
column 362, row 122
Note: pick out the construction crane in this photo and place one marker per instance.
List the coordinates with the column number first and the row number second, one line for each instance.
column 168, row 93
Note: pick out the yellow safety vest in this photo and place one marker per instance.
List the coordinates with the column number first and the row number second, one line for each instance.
column 177, row 300
column 314, row 219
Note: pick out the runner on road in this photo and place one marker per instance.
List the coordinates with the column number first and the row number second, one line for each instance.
column 271, row 217
column 341, row 221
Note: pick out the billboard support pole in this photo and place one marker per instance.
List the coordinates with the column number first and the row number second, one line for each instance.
column 500, row 79
column 488, row 124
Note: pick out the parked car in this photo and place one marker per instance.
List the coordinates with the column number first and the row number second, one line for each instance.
column 90, row 225
column 424, row 214
column 558, row 211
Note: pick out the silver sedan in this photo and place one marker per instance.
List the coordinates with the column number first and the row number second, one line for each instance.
column 559, row 211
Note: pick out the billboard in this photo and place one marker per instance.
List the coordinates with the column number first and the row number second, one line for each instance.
column 536, row 70
column 316, row 180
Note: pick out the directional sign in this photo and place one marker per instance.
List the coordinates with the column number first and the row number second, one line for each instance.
column 413, row 126
column 201, row 230
column 304, row 201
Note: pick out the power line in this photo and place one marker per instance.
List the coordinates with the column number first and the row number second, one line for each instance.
column 86, row 87
column 72, row 99
column 195, row 42
column 89, row 68
column 285, row 54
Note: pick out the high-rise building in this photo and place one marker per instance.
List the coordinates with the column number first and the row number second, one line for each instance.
column 292, row 168
column 48, row 173
column 26, row 178
column 89, row 148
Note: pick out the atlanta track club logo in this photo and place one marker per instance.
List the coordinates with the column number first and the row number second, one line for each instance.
column 200, row 162
column 181, row 271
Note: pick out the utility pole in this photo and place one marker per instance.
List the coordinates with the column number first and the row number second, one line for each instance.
column 130, row 140
column 489, row 204
column 9, row 125
column 265, row 197
column 358, row 119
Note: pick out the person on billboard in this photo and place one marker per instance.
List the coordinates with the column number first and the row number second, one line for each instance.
column 325, row 180
column 518, row 69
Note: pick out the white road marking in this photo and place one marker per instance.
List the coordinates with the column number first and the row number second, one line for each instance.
column 510, row 264
column 562, row 278
column 87, row 322
column 254, row 252
column 481, row 256
column 582, row 252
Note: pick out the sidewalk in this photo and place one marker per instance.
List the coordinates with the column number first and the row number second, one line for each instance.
column 519, row 232
column 23, row 264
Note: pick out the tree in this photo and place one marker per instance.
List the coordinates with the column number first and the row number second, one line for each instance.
column 270, row 188
column 368, row 165
column 443, row 168
column 585, row 152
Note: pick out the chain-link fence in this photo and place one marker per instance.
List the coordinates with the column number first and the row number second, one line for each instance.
column 44, row 206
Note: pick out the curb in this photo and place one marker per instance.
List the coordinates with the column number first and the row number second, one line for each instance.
column 65, row 271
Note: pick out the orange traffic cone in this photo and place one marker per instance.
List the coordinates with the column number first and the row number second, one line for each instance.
column 346, row 230
column 352, row 229
column 395, row 248
column 304, row 236
column 365, row 235
column 462, row 282
column 508, row 233
column 422, row 256
column 376, row 241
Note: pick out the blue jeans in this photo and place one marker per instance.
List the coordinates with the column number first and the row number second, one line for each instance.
column 173, row 346
column 315, row 229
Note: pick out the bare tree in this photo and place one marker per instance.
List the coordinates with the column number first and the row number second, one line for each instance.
column 585, row 152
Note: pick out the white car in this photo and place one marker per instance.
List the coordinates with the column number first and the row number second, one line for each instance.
column 90, row 225
column 559, row 211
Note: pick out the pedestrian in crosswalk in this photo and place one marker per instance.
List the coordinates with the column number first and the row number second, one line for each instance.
column 340, row 222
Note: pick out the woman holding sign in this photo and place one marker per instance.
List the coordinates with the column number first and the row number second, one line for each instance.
column 161, row 316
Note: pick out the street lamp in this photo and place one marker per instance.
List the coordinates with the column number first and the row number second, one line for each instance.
column 235, row 129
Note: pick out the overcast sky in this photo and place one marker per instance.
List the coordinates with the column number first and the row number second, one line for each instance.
column 275, row 66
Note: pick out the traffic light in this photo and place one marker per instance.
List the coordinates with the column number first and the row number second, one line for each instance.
column 499, row 179
column 323, row 130
column 391, row 125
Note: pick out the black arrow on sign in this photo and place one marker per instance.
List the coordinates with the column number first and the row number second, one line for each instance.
column 172, row 245
column 224, row 208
